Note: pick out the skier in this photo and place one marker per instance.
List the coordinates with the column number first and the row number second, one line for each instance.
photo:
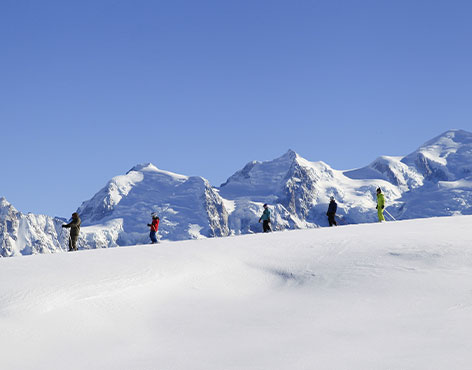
column 380, row 205
column 154, row 227
column 332, row 208
column 74, row 227
column 265, row 218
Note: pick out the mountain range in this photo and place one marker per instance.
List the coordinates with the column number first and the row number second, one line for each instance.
column 434, row 180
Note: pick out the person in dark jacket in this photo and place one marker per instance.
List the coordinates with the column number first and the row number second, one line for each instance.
column 154, row 225
column 332, row 208
column 265, row 218
column 74, row 227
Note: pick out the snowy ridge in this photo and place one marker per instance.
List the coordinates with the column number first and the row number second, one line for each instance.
column 435, row 180
column 446, row 157
column 390, row 169
column 326, row 298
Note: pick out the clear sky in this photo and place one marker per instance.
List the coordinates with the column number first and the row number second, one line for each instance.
column 88, row 89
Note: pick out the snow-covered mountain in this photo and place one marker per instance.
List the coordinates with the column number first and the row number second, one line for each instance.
column 434, row 180
column 188, row 207
column 29, row 233
column 391, row 169
column 447, row 157
column 299, row 191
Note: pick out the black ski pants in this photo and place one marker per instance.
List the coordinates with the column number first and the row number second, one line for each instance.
column 266, row 226
column 331, row 219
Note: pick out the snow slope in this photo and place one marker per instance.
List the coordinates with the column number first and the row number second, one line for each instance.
column 371, row 296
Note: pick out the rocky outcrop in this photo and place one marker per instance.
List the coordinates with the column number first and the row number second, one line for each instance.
column 28, row 233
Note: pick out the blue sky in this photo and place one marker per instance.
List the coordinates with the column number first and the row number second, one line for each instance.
column 90, row 88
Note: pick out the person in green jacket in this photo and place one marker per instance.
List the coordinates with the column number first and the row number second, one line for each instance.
column 265, row 218
column 74, row 227
column 380, row 205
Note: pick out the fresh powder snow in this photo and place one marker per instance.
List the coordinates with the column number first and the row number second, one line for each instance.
column 372, row 296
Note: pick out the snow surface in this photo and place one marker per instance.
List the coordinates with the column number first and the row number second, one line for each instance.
column 374, row 296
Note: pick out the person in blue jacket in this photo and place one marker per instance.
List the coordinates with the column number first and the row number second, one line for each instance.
column 332, row 208
column 265, row 218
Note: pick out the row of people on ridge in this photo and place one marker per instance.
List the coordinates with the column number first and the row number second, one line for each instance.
column 74, row 225
column 331, row 213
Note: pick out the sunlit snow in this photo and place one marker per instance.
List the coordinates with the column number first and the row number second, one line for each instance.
column 374, row 296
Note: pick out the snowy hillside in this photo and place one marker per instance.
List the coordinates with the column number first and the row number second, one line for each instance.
column 359, row 297
column 434, row 180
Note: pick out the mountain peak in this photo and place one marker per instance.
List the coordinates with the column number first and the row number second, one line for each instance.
column 286, row 159
column 446, row 157
column 456, row 131
column 290, row 155
column 144, row 167
column 450, row 138
column 4, row 202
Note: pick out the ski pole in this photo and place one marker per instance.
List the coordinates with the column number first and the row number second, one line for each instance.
column 388, row 213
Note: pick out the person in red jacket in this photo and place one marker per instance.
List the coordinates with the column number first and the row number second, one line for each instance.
column 154, row 227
